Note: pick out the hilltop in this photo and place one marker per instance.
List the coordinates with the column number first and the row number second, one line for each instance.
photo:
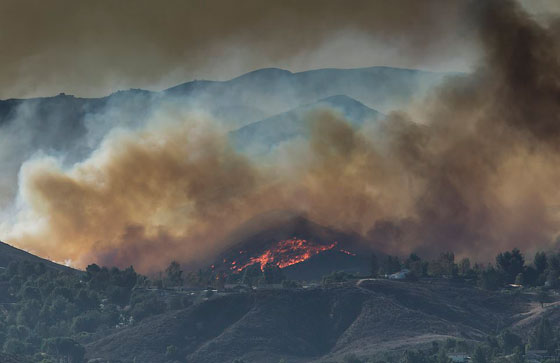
column 11, row 254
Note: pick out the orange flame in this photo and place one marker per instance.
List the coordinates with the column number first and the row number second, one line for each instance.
column 286, row 253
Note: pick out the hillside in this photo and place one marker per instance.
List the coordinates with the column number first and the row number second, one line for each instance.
column 11, row 254
column 372, row 318
column 262, row 136
column 112, row 315
column 304, row 249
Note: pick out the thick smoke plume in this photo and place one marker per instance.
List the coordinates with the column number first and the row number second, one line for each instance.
column 472, row 170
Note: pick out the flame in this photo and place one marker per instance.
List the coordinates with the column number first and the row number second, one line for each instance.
column 286, row 253
column 348, row 252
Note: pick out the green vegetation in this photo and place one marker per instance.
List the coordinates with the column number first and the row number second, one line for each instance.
column 46, row 313
column 542, row 345
column 510, row 268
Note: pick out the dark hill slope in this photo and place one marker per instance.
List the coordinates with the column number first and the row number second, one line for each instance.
column 9, row 254
column 370, row 318
column 263, row 233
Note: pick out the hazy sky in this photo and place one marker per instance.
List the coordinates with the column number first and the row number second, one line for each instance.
column 90, row 48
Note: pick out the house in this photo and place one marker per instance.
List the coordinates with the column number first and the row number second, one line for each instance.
column 458, row 357
column 401, row 275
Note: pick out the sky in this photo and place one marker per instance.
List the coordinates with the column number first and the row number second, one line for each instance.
column 92, row 48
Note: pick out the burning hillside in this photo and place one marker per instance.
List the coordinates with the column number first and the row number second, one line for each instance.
column 285, row 253
column 303, row 249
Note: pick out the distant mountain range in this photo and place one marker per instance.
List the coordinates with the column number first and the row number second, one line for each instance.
column 262, row 136
column 72, row 127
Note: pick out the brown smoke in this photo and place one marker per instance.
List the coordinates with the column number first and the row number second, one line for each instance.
column 94, row 47
column 487, row 160
column 474, row 171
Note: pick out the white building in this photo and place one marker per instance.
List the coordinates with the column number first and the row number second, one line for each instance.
column 401, row 275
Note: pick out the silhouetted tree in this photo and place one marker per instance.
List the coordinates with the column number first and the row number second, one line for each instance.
column 174, row 275
column 490, row 279
column 252, row 274
column 373, row 265
column 391, row 264
column 510, row 264
column 540, row 262
column 273, row 274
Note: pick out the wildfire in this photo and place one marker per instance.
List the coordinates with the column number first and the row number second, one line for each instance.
column 286, row 253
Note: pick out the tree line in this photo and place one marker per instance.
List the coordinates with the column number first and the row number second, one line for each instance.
column 510, row 267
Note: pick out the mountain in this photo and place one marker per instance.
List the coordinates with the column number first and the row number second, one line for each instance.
column 262, row 136
column 9, row 254
column 370, row 318
column 70, row 128
column 277, row 90
column 303, row 249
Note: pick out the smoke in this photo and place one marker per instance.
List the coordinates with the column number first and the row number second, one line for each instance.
column 94, row 48
column 486, row 162
column 473, row 169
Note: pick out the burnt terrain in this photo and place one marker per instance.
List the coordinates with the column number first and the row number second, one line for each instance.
column 373, row 318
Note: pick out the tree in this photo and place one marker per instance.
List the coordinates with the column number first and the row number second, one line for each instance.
column 414, row 357
column 174, row 275
column 542, row 296
column 14, row 346
column 530, row 276
column 510, row 264
column 542, row 336
column 464, row 267
column 29, row 313
column 87, row 322
column 373, row 265
column 490, row 279
column 553, row 263
column 447, row 260
column 442, row 357
column 64, row 348
column 252, row 274
column 479, row 356
column 171, row 352
column 92, row 270
column 391, row 264
column 540, row 262
column 273, row 274
column 552, row 279
column 443, row 266
column 509, row 341
column 414, row 264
